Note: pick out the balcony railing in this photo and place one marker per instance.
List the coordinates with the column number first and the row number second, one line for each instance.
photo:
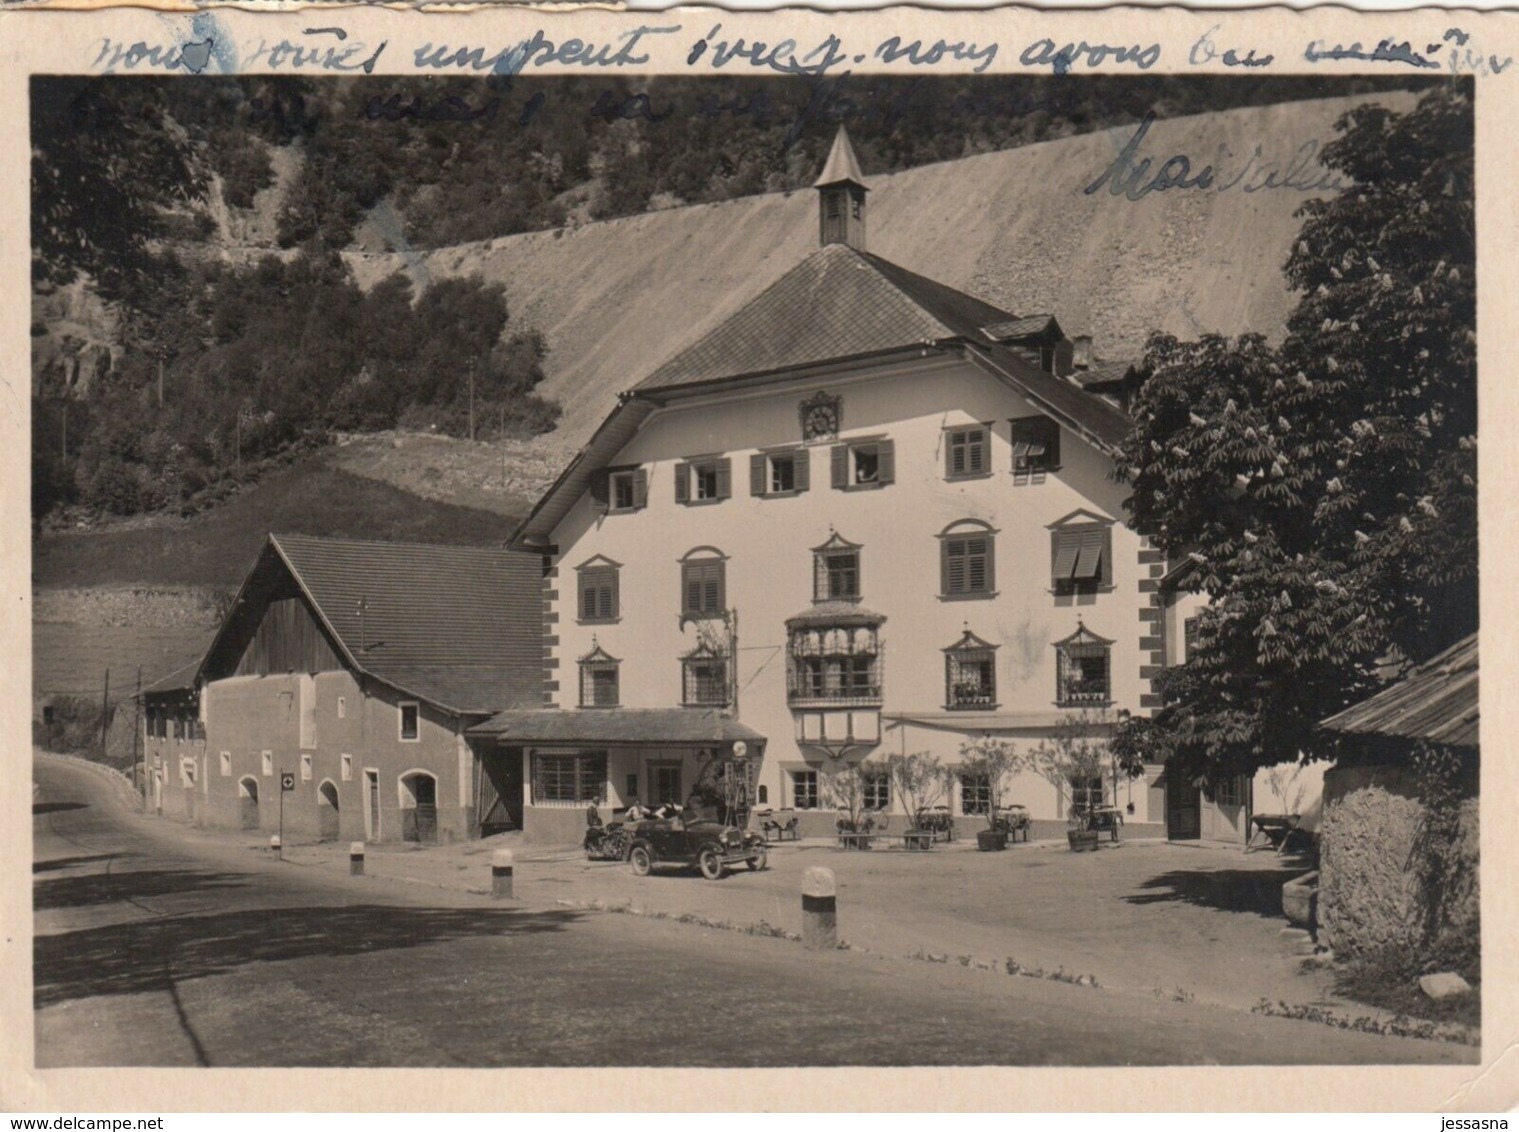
column 971, row 697
column 821, row 697
column 1084, row 694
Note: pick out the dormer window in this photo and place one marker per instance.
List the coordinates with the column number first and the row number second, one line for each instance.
column 860, row 465
column 704, row 480
column 836, row 570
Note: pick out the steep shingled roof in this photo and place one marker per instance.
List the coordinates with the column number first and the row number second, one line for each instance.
column 836, row 303
column 458, row 626
column 842, row 165
column 1436, row 701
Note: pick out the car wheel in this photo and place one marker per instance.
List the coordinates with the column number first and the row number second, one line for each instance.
column 759, row 861
column 641, row 860
column 711, row 864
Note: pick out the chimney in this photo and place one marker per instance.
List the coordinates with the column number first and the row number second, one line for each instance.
column 1082, row 357
column 841, row 197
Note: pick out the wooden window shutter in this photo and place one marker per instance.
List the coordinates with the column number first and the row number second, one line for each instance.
column 1088, row 564
column 954, row 455
column 719, row 587
column 682, row 483
column 757, row 467
column 1107, row 555
column 1063, row 547
column 954, row 566
column 840, row 465
column 587, row 596
column 690, row 588
column 607, row 599
column 600, row 490
column 724, row 478
column 802, row 469
column 886, row 462
column 975, row 452
column 641, row 487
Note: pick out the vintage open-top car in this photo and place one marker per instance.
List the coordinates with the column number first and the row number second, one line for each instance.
column 709, row 845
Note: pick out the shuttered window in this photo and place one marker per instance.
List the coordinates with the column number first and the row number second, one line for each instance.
column 861, row 465
column 570, row 778
column 1081, row 557
column 779, row 473
column 598, row 594
column 1036, row 445
column 966, row 564
column 704, row 481
column 702, row 587
column 965, row 453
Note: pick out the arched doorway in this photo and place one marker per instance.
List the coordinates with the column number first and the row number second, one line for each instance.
column 419, row 807
column 327, row 811
column 247, row 803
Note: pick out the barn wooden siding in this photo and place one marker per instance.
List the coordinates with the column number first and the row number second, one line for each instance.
column 288, row 639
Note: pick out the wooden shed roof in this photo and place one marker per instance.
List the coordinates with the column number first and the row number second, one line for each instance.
column 1436, row 701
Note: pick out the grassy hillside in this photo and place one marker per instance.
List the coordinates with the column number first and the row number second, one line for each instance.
column 615, row 299
column 312, row 496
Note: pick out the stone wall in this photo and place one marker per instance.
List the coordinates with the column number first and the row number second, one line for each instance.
column 1369, row 888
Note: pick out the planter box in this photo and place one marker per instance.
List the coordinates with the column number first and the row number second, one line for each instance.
column 991, row 840
column 1300, row 900
column 1082, row 840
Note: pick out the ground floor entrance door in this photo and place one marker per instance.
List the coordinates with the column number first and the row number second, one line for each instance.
column 371, row 805
column 247, row 803
column 419, row 818
column 1183, row 809
column 500, row 790
column 664, row 783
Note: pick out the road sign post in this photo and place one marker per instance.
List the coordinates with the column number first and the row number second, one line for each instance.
column 287, row 784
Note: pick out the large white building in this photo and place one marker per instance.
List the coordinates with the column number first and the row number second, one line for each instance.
column 867, row 514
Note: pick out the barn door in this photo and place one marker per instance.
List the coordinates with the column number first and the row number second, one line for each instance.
column 501, row 791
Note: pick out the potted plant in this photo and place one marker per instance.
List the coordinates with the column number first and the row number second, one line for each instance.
column 992, row 761
column 844, row 788
column 920, row 781
column 1080, row 751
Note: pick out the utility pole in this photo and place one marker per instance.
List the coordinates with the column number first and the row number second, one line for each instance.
column 501, row 436
column 136, row 738
column 65, row 428
column 472, row 400
column 160, row 381
column 105, row 713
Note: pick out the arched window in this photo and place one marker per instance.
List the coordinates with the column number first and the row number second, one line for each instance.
column 703, row 583
column 968, row 560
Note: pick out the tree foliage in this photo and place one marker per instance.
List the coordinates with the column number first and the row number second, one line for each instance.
column 1325, row 489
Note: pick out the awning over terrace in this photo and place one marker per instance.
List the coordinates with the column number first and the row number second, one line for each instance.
column 614, row 726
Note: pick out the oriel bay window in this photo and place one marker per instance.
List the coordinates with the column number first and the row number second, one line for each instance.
column 572, row 778
column 598, row 678
column 967, row 560
column 704, row 677
column 970, row 674
column 833, row 660
column 1083, row 669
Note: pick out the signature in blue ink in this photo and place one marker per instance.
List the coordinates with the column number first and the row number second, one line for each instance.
column 1130, row 175
column 1386, row 51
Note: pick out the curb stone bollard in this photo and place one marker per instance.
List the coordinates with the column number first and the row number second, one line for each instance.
column 501, row 874
column 356, row 859
column 274, row 844
column 820, row 923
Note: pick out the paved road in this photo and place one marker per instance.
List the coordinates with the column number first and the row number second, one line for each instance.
column 157, row 945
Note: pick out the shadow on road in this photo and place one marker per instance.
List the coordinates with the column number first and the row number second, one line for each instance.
column 69, row 862
column 40, row 808
column 151, row 955
column 83, row 889
column 1227, row 890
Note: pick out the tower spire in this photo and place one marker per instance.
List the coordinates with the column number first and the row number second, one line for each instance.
column 841, row 196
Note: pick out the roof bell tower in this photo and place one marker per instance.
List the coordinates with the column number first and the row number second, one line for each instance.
column 841, row 197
